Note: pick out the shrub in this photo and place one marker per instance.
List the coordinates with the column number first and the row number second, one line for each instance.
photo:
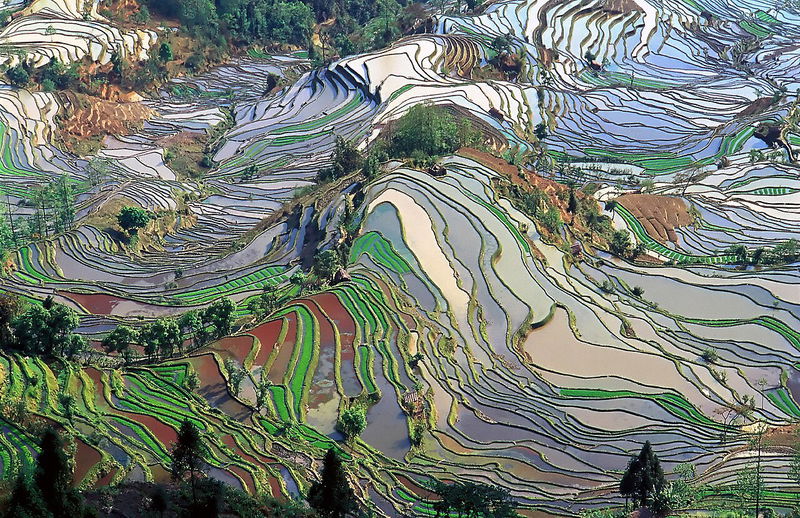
column 430, row 131
column 18, row 76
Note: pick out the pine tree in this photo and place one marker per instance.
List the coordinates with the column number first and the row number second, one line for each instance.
column 53, row 477
column 644, row 478
column 332, row 497
column 187, row 456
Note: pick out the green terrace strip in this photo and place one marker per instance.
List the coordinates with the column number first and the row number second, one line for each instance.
column 672, row 403
column 755, row 29
column 766, row 17
column 381, row 251
column 279, row 395
column 322, row 121
column 29, row 273
column 783, row 400
column 667, row 162
column 637, row 228
column 257, row 53
column 145, row 436
column 7, row 167
column 774, row 191
column 621, row 78
column 269, row 276
column 503, row 217
column 791, row 335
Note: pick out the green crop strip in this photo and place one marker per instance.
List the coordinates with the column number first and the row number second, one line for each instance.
column 381, row 251
column 673, row 403
column 792, row 335
column 657, row 247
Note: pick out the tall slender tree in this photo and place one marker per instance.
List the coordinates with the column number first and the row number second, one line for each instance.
column 332, row 496
column 187, row 456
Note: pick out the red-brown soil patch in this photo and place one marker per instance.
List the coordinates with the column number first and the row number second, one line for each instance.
column 281, row 365
column 267, row 334
column 275, row 487
column 106, row 479
column 236, row 346
column 163, row 432
column 95, row 303
column 247, row 478
column 659, row 215
column 182, row 137
column 321, row 393
column 91, row 116
column 85, row 458
column 214, row 389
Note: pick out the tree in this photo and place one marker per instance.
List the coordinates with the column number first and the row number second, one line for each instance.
column 326, row 263
column 165, row 52
column 187, row 456
column 644, row 478
column 621, row 243
column 191, row 325
column 220, row 315
column 10, row 308
column 25, row 501
column 471, row 499
column 572, row 206
column 97, row 170
column 53, row 478
column 18, row 76
column 131, row 219
column 120, row 339
column 332, row 496
column 264, row 304
column 163, row 335
column 47, row 330
column 67, row 402
column 235, row 375
column 353, row 421
column 427, row 131
column 346, row 159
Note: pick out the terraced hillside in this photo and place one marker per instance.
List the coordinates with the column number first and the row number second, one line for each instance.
column 485, row 346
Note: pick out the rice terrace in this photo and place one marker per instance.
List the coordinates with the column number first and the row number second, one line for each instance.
column 303, row 258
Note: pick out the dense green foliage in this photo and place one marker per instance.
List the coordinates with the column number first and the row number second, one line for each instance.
column 472, row 500
column 48, row 492
column 187, row 456
column 355, row 25
column 39, row 330
column 429, row 131
column 353, row 421
column 131, row 219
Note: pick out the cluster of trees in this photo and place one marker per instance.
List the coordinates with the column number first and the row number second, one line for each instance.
column 782, row 253
column 164, row 336
column 53, row 76
column 39, row 330
column 131, row 219
column 427, row 132
column 356, row 25
column 472, row 500
column 54, row 212
column 535, row 203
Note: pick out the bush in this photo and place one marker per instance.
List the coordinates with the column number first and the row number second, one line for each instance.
column 710, row 355
column 353, row 421
column 18, row 76
column 430, row 131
